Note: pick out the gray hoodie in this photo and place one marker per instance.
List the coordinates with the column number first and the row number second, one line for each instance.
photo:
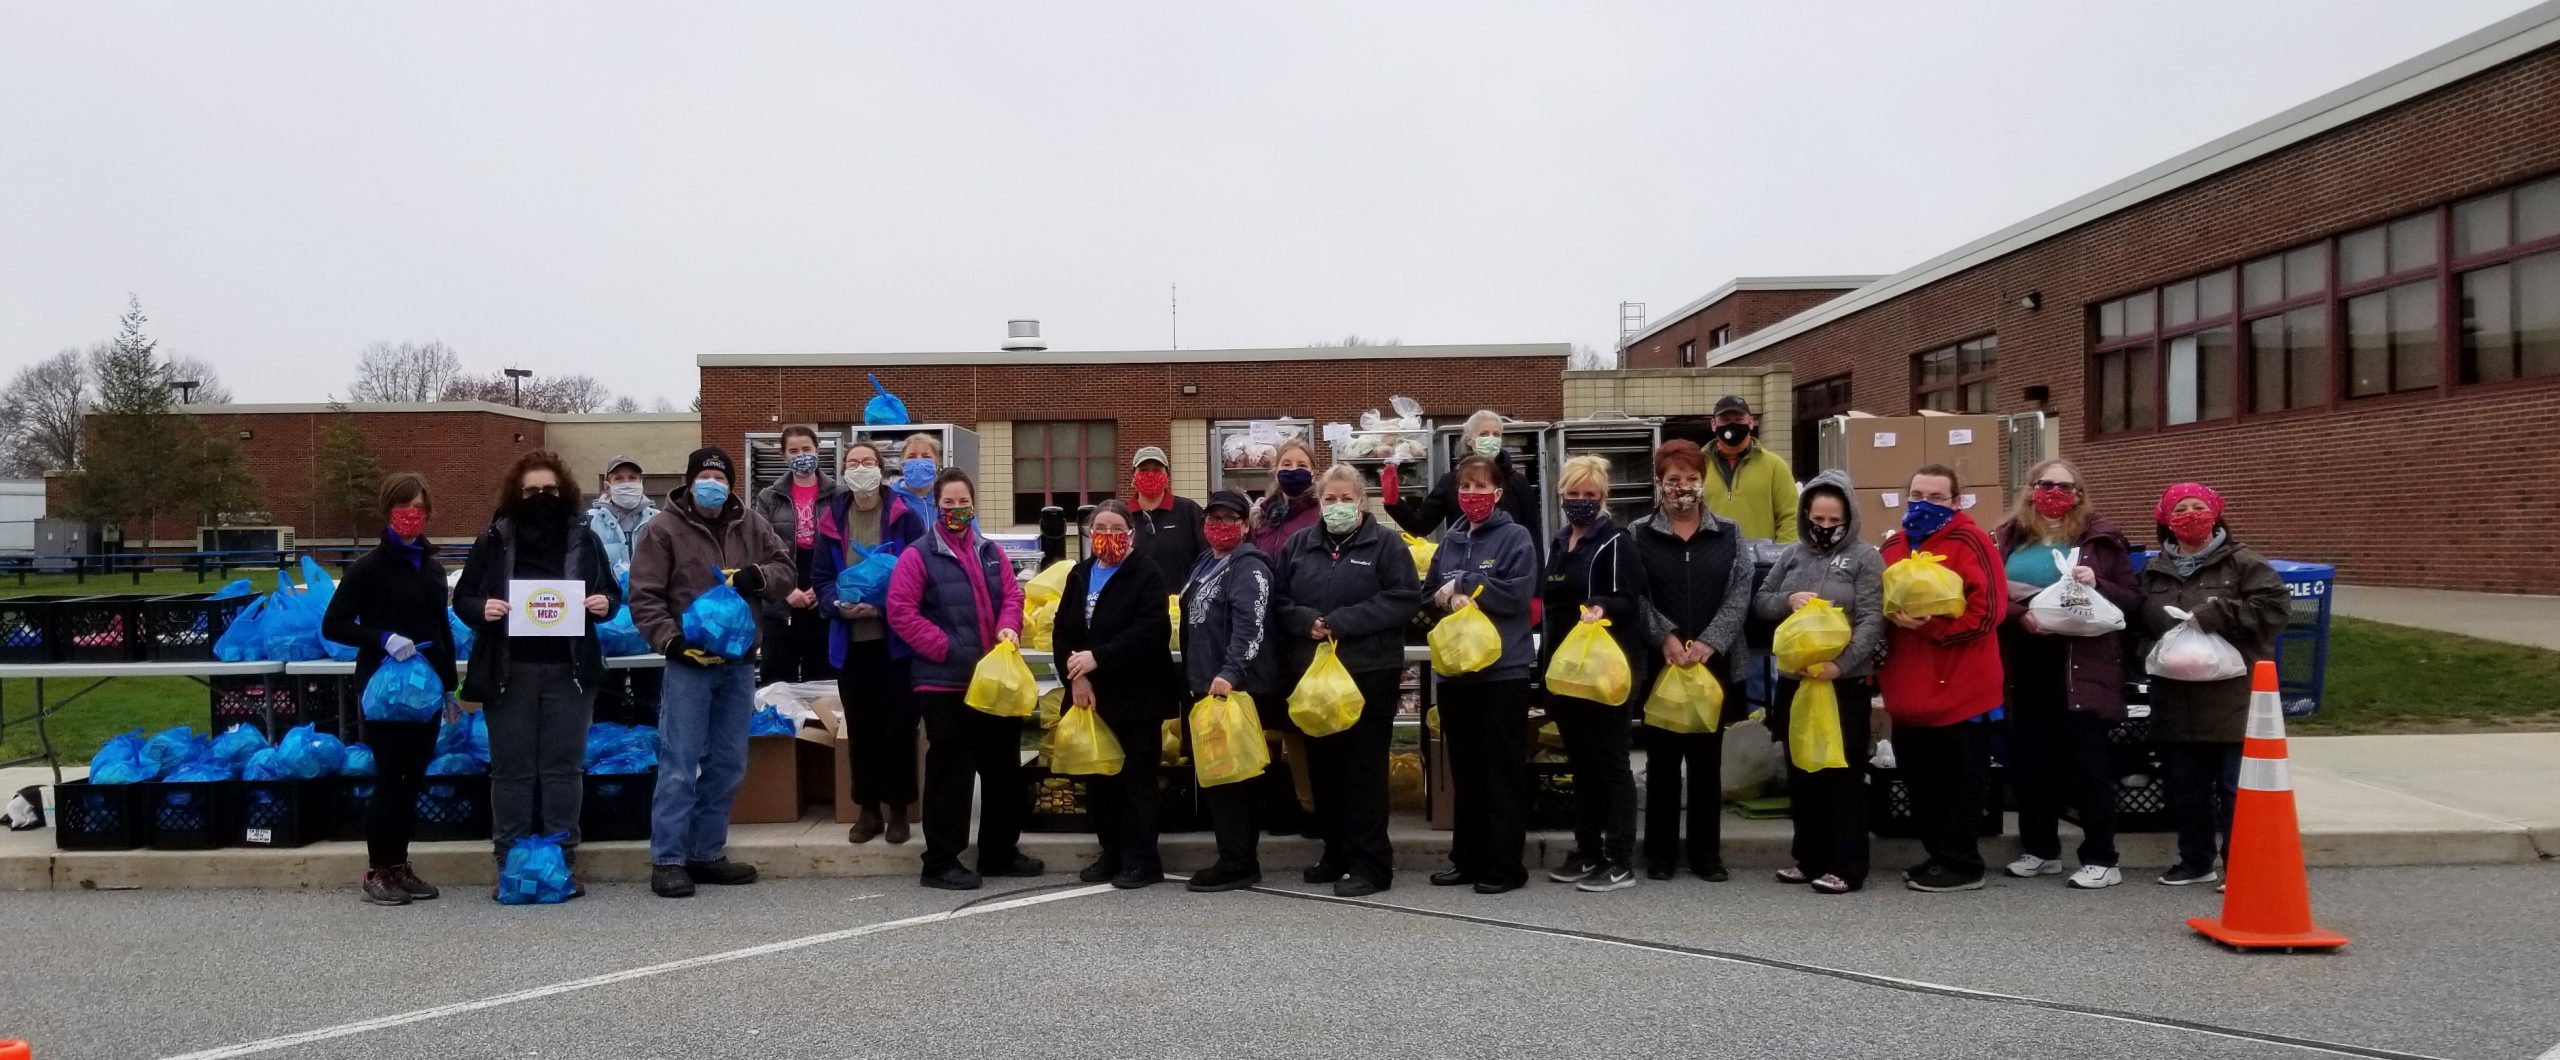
column 1850, row 576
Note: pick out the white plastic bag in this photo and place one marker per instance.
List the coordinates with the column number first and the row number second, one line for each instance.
column 2188, row 653
column 2069, row 609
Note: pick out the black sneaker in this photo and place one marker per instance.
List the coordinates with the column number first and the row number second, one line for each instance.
column 1711, row 873
column 1660, row 870
column 1132, row 879
column 405, row 876
column 1223, row 878
column 1511, row 883
column 724, row 872
column 1452, row 878
column 381, row 889
column 1609, row 878
column 954, row 878
column 1323, row 872
column 1918, row 870
column 1939, row 879
column 2182, row 875
column 1357, row 887
column 1020, row 866
column 670, row 881
column 1576, row 868
column 1101, row 871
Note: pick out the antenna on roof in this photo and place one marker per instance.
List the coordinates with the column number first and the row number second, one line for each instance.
column 1174, row 291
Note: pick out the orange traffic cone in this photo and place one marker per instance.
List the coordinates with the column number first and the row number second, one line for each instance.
column 2267, row 903
column 14, row 1049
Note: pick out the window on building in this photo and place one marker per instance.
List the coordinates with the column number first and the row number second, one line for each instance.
column 1067, row 464
column 1957, row 378
column 2167, row 356
column 2289, row 361
column 1689, row 354
column 1815, row 402
column 2506, row 249
column 1720, row 336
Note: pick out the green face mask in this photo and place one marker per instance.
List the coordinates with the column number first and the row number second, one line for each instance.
column 1341, row 517
column 1489, row 446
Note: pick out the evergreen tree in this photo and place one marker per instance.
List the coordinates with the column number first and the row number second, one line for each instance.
column 349, row 477
column 141, row 459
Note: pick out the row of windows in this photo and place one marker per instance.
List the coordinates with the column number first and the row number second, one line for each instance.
column 1066, row 464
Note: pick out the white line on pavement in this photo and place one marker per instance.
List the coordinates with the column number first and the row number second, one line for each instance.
column 536, row 993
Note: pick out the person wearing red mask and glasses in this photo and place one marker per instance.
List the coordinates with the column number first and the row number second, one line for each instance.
column 1164, row 527
column 2202, row 570
column 2065, row 692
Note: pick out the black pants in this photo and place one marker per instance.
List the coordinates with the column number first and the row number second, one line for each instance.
column 1124, row 805
column 1486, row 726
column 965, row 745
column 2204, row 781
column 2060, row 758
column 795, row 648
column 1235, row 810
column 1596, row 739
column 1670, row 759
column 1347, row 772
column 1945, row 766
column 880, row 724
column 537, row 752
column 400, row 753
column 1830, row 805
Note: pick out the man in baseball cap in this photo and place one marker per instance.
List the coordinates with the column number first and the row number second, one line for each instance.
column 1166, row 527
column 1752, row 486
column 620, row 510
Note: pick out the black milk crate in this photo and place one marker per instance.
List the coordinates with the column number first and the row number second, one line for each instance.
column 90, row 816
column 185, row 816
column 452, row 807
column 616, row 806
column 183, row 628
column 277, row 813
column 349, row 800
column 2131, row 755
column 26, row 629
column 97, row 629
column 1551, row 798
column 1061, row 803
column 243, row 698
column 1889, row 804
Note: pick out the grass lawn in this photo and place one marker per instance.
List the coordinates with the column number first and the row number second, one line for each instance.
column 153, row 703
column 2386, row 678
column 153, row 583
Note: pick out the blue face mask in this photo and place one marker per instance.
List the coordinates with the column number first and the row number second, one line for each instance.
column 1924, row 519
column 710, row 494
column 917, row 473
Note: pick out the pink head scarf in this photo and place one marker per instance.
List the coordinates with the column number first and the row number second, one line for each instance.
column 2183, row 491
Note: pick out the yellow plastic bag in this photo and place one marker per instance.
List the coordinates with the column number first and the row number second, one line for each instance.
column 1173, row 610
column 1040, row 625
column 1686, row 699
column 1422, row 551
column 1084, row 746
column 1813, row 728
column 1226, row 740
column 1326, row 700
column 1588, row 665
column 1169, row 736
column 1816, row 634
column 1049, row 585
column 1051, row 707
column 1002, row 685
column 1920, row 586
column 1465, row 642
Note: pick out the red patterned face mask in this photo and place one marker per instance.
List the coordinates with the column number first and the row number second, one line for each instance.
column 2053, row 503
column 1478, row 506
column 409, row 522
column 1110, row 546
column 2191, row 527
column 1223, row 537
column 1150, row 483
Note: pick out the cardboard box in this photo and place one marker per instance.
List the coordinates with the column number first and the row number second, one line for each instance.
column 1987, row 503
column 1879, row 512
column 1969, row 444
column 1881, row 450
column 771, row 793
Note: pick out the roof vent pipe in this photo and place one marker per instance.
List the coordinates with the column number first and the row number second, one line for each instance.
column 1023, row 336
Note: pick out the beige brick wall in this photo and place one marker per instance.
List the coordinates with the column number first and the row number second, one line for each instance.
column 995, row 476
column 1190, row 452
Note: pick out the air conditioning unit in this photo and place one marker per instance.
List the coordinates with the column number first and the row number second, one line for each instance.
column 277, row 539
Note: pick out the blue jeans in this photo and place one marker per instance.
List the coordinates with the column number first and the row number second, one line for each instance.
column 702, row 758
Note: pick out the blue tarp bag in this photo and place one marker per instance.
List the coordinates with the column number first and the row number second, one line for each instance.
column 120, row 761
column 318, row 588
column 237, row 588
column 635, row 752
column 234, row 746
column 264, row 765
column 456, row 765
column 172, row 747
column 199, row 770
column 468, row 737
column 867, row 580
column 291, row 625
column 603, row 739
column 404, row 690
column 720, row 622
column 768, row 721
column 244, row 640
column 358, row 763
column 461, row 635
column 536, row 872
column 884, row 408
column 621, row 636
column 305, row 753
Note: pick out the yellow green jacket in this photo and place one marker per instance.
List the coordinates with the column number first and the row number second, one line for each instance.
column 1759, row 495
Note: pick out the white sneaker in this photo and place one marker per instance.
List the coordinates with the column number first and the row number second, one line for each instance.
column 2092, row 877
column 2029, row 866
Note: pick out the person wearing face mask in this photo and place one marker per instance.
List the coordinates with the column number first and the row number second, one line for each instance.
column 1111, row 642
column 1290, row 505
column 391, row 605
column 538, row 692
column 919, row 463
column 795, row 640
column 952, row 599
column 2234, row 594
column 708, row 534
column 620, row 512
column 1349, row 580
column 1752, row 487
column 1696, row 597
column 1226, row 648
column 1487, row 561
column 1428, row 516
column 1167, row 527
column 1940, row 673
column 870, row 660
column 1593, row 575
column 2065, row 692
column 1290, row 508
column 1829, row 562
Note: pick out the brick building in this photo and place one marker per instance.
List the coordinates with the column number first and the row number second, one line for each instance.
column 2345, row 317
column 1118, row 402
column 1689, row 336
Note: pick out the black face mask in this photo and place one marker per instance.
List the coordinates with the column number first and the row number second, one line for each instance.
column 1825, row 538
column 540, row 509
column 1733, row 434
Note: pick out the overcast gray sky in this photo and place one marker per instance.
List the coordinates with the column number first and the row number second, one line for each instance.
column 615, row 187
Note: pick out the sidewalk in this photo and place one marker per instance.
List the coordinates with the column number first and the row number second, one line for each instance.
column 2532, row 621
column 2365, row 800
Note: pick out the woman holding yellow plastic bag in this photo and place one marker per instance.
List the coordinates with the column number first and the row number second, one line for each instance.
column 1348, row 582
column 1697, row 593
column 953, row 599
column 1111, row 650
column 1489, row 564
column 1592, row 592
column 1227, row 603
column 1827, row 736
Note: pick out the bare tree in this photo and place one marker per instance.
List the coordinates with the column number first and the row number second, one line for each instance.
column 405, row 372
column 1354, row 339
column 1589, row 358
column 208, row 382
column 626, row 403
column 40, row 416
column 575, row 393
column 567, row 393
column 662, row 403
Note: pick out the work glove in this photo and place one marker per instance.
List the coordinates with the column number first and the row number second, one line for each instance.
column 749, row 580
column 677, row 651
column 398, row 647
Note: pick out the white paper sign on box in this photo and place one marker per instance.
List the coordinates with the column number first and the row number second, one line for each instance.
column 544, row 607
column 1960, row 437
column 1884, row 439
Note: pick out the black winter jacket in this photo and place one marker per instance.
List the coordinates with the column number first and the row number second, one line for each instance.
column 1130, row 637
column 1170, row 539
column 382, row 594
column 1226, row 626
column 1366, row 591
column 1604, row 571
column 492, row 564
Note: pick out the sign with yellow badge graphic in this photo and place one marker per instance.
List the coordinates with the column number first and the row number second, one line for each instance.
column 546, row 608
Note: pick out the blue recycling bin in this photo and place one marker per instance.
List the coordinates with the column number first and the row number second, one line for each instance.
column 2302, row 650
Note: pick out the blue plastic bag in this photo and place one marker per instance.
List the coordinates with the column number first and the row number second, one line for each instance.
column 456, row 765
column 234, row 746
column 305, row 753
column 409, row 690
column 768, row 721
column 603, row 739
column 636, row 751
column 621, row 636
column 291, row 626
column 884, row 409
column 468, row 737
column 237, row 587
column 171, row 747
column 264, row 765
column 244, row 640
column 721, row 622
column 867, row 580
column 461, row 634
column 358, row 763
column 536, row 872
column 120, row 761
column 199, row 770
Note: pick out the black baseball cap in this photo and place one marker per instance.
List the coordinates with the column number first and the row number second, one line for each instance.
column 1230, row 499
column 1732, row 403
